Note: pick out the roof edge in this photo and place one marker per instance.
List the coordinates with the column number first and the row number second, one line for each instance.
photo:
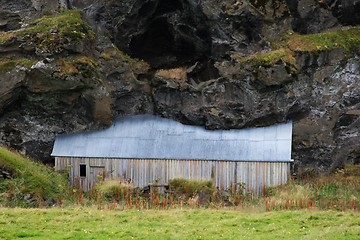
column 291, row 160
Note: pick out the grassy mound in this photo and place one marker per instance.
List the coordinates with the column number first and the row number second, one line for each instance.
column 28, row 177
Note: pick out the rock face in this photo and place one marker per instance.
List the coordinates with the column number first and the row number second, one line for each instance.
column 345, row 10
column 157, row 31
column 225, row 64
column 51, row 83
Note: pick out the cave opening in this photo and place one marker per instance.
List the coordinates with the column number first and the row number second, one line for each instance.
column 155, row 41
column 175, row 35
column 166, row 6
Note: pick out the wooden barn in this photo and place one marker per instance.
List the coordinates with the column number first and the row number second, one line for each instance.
column 143, row 148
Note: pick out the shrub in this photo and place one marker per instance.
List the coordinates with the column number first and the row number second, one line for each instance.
column 190, row 188
column 116, row 189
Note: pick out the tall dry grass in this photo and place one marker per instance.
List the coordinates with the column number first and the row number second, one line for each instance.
column 338, row 191
column 175, row 73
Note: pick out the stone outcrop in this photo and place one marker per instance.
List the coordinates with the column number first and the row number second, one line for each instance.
column 51, row 83
column 225, row 64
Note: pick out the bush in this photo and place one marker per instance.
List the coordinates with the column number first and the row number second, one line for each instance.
column 116, row 189
column 190, row 188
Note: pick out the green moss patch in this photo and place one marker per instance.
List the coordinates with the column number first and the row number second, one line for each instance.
column 6, row 66
column 67, row 24
column 82, row 64
column 271, row 58
column 292, row 44
column 348, row 39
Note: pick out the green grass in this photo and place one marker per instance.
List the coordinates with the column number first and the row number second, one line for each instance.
column 104, row 217
column 28, row 177
column 348, row 39
column 90, row 223
column 67, row 24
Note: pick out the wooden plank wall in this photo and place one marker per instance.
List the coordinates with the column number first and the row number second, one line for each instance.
column 141, row 172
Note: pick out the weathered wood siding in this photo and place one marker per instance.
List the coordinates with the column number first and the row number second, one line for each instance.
column 141, row 172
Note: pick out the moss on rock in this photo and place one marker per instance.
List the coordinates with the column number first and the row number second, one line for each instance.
column 115, row 52
column 83, row 65
column 6, row 66
column 138, row 66
column 280, row 56
column 349, row 39
column 50, row 32
column 292, row 44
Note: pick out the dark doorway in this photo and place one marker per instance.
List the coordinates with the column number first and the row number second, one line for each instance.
column 82, row 170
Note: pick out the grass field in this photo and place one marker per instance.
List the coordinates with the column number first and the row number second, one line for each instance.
column 110, row 212
column 90, row 223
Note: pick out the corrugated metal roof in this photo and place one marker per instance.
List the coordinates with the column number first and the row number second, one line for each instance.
column 151, row 137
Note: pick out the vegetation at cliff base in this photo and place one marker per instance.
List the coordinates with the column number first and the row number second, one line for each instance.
column 24, row 176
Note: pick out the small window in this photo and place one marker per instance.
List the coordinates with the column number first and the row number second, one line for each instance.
column 82, row 170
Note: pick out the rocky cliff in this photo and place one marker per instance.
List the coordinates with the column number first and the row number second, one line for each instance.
column 219, row 64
